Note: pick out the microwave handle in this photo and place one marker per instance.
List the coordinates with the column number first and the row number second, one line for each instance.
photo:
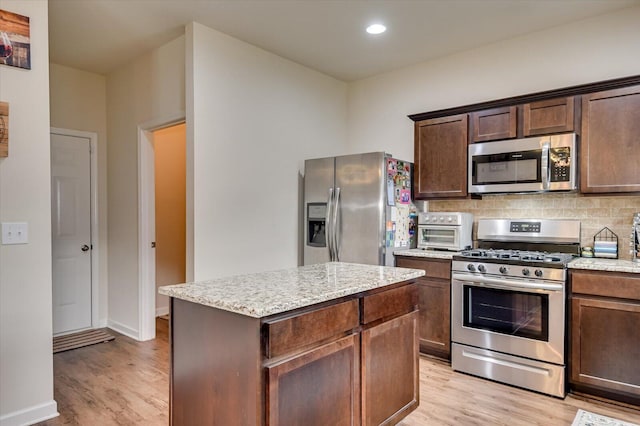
column 545, row 170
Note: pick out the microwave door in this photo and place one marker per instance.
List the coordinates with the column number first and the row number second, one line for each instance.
column 515, row 171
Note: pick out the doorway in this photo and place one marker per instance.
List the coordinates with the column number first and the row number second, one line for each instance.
column 74, row 225
column 169, row 146
column 162, row 246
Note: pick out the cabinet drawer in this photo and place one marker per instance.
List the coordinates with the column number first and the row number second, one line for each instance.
column 607, row 284
column 440, row 268
column 389, row 303
column 288, row 334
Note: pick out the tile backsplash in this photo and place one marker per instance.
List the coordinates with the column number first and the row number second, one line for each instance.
column 593, row 212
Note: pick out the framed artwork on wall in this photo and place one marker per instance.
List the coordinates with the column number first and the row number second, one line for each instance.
column 15, row 44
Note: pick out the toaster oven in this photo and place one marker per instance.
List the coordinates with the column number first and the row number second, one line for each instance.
column 444, row 231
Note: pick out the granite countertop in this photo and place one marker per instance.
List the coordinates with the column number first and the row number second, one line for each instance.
column 433, row 254
column 610, row 265
column 267, row 293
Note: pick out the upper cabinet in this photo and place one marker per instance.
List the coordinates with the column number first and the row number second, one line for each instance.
column 493, row 124
column 547, row 117
column 440, row 156
column 610, row 143
column 521, row 121
column 605, row 115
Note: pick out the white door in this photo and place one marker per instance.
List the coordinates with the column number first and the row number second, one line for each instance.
column 71, row 232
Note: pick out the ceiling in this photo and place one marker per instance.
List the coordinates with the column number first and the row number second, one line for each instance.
column 326, row 35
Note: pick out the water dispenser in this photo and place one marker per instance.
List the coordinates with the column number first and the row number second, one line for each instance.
column 316, row 220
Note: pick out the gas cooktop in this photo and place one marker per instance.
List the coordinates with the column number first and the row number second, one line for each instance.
column 521, row 255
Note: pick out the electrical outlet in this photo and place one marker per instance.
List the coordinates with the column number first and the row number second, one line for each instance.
column 15, row 233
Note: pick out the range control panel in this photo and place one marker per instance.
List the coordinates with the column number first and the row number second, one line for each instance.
column 560, row 159
column 525, row 227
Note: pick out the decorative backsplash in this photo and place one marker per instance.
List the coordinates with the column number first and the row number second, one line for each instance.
column 594, row 213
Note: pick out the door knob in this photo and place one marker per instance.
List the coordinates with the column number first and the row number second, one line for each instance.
column 84, row 248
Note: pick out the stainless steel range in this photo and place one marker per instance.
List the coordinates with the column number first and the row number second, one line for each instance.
column 508, row 303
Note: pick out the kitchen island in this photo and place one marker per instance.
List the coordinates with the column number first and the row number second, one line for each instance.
column 333, row 343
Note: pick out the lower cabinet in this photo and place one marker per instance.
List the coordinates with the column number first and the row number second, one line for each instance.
column 369, row 377
column 305, row 390
column 390, row 362
column 434, row 298
column 605, row 334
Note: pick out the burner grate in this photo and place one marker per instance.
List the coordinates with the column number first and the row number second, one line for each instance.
column 517, row 255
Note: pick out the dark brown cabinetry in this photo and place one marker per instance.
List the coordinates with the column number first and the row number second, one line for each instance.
column 547, row 117
column 294, row 383
column 531, row 119
column 440, row 156
column 385, row 367
column 605, row 334
column 434, row 297
column 493, row 124
column 350, row 361
column 610, row 144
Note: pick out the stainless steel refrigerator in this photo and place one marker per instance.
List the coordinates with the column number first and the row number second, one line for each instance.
column 357, row 209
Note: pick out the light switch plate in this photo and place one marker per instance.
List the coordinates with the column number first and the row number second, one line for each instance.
column 15, row 233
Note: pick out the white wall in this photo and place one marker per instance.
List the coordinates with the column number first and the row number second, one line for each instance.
column 79, row 102
column 252, row 119
column 151, row 89
column 26, row 361
column 592, row 50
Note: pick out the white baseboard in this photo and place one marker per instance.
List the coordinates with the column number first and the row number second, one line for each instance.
column 102, row 323
column 31, row 415
column 162, row 310
column 123, row 329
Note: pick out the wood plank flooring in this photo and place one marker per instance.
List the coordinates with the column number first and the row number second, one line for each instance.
column 125, row 382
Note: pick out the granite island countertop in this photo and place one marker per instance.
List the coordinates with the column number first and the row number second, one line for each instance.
column 267, row 293
column 601, row 264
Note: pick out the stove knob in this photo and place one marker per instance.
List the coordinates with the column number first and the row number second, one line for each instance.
column 471, row 268
column 441, row 218
column 538, row 273
column 482, row 269
column 449, row 219
column 525, row 272
column 503, row 270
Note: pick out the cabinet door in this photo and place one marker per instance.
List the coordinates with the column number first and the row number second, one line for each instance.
column 440, row 156
column 605, row 345
column 390, row 370
column 494, row 124
column 434, row 297
column 610, row 146
column 320, row 387
column 547, row 117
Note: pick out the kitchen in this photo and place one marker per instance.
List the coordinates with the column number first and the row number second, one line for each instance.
column 378, row 108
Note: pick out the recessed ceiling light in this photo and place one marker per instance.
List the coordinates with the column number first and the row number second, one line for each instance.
column 376, row 29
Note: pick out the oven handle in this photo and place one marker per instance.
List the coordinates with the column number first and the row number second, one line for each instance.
column 506, row 284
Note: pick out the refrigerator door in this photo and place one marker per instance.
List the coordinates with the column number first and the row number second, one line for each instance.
column 360, row 221
column 318, row 182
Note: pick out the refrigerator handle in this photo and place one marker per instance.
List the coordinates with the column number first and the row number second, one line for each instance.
column 335, row 230
column 328, row 227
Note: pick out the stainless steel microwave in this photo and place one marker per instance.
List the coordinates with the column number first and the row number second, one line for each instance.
column 538, row 164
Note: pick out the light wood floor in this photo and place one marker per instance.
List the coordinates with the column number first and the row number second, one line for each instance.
column 125, row 382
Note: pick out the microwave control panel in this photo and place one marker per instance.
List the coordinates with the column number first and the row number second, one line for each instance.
column 560, row 164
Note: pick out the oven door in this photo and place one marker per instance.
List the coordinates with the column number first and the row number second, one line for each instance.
column 441, row 237
column 517, row 317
